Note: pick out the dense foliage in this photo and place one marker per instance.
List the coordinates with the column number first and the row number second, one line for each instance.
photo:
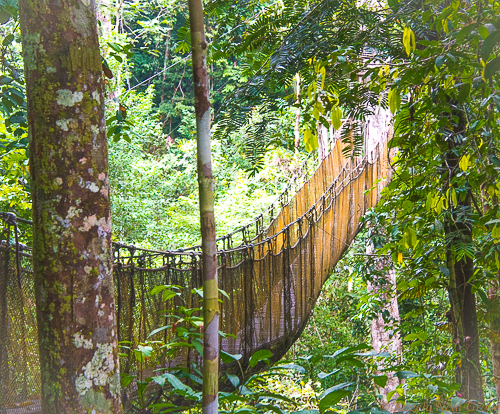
column 433, row 64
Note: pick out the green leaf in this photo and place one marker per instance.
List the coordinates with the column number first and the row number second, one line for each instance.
column 269, row 407
column 244, row 410
column 439, row 61
column 488, row 45
column 391, row 394
column 224, row 293
column 406, row 374
column 351, row 360
column 394, row 101
column 159, row 330
column 126, row 379
column 345, row 350
column 261, row 355
column 464, row 92
column 323, row 375
column 380, row 380
column 306, row 412
column 17, row 119
column 293, row 366
column 4, row 17
column 176, row 383
column 228, row 358
column 8, row 40
column 393, row 4
column 491, row 67
column 168, row 294
column 336, row 116
column 158, row 289
column 310, row 140
column 143, row 352
column 333, row 395
column 274, row 396
column 234, row 380
column 160, row 380
column 198, row 346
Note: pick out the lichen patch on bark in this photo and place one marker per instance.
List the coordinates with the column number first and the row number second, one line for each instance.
column 67, row 98
column 71, row 210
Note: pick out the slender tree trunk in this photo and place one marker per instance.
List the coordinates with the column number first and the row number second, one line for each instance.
column 165, row 63
column 322, row 142
column 205, row 181
column 462, row 299
column 494, row 295
column 296, row 127
column 466, row 333
column 494, row 314
column 118, row 15
column 383, row 336
column 72, row 256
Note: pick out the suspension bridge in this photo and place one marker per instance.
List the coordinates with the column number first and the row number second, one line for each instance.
column 273, row 270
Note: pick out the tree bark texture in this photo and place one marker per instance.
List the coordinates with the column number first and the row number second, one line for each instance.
column 493, row 316
column 4, row 283
column 494, row 296
column 465, row 326
column 383, row 336
column 205, row 182
column 322, row 142
column 462, row 299
column 72, row 255
column 296, row 125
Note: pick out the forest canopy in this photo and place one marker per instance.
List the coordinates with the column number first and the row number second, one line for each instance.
column 409, row 318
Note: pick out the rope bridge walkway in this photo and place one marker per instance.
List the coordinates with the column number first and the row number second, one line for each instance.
column 273, row 270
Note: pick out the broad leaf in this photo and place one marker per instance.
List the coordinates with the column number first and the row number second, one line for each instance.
column 333, row 395
column 491, row 67
column 394, row 100
column 293, row 366
column 126, row 379
column 310, row 140
column 488, row 44
column 234, row 380
column 323, row 375
column 406, row 374
column 380, row 380
column 261, row 355
column 336, row 116
column 228, row 358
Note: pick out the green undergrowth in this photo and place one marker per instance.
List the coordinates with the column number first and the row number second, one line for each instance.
column 329, row 378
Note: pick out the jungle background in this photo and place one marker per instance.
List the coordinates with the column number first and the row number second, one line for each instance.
column 278, row 71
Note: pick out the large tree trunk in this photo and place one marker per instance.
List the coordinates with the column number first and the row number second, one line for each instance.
column 72, row 256
column 205, row 181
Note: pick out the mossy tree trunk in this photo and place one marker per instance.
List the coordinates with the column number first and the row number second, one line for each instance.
column 205, row 180
column 72, row 254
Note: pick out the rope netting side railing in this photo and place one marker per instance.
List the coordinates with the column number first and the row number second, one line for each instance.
column 273, row 278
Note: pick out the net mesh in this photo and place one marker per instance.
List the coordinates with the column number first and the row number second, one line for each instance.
column 273, row 269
